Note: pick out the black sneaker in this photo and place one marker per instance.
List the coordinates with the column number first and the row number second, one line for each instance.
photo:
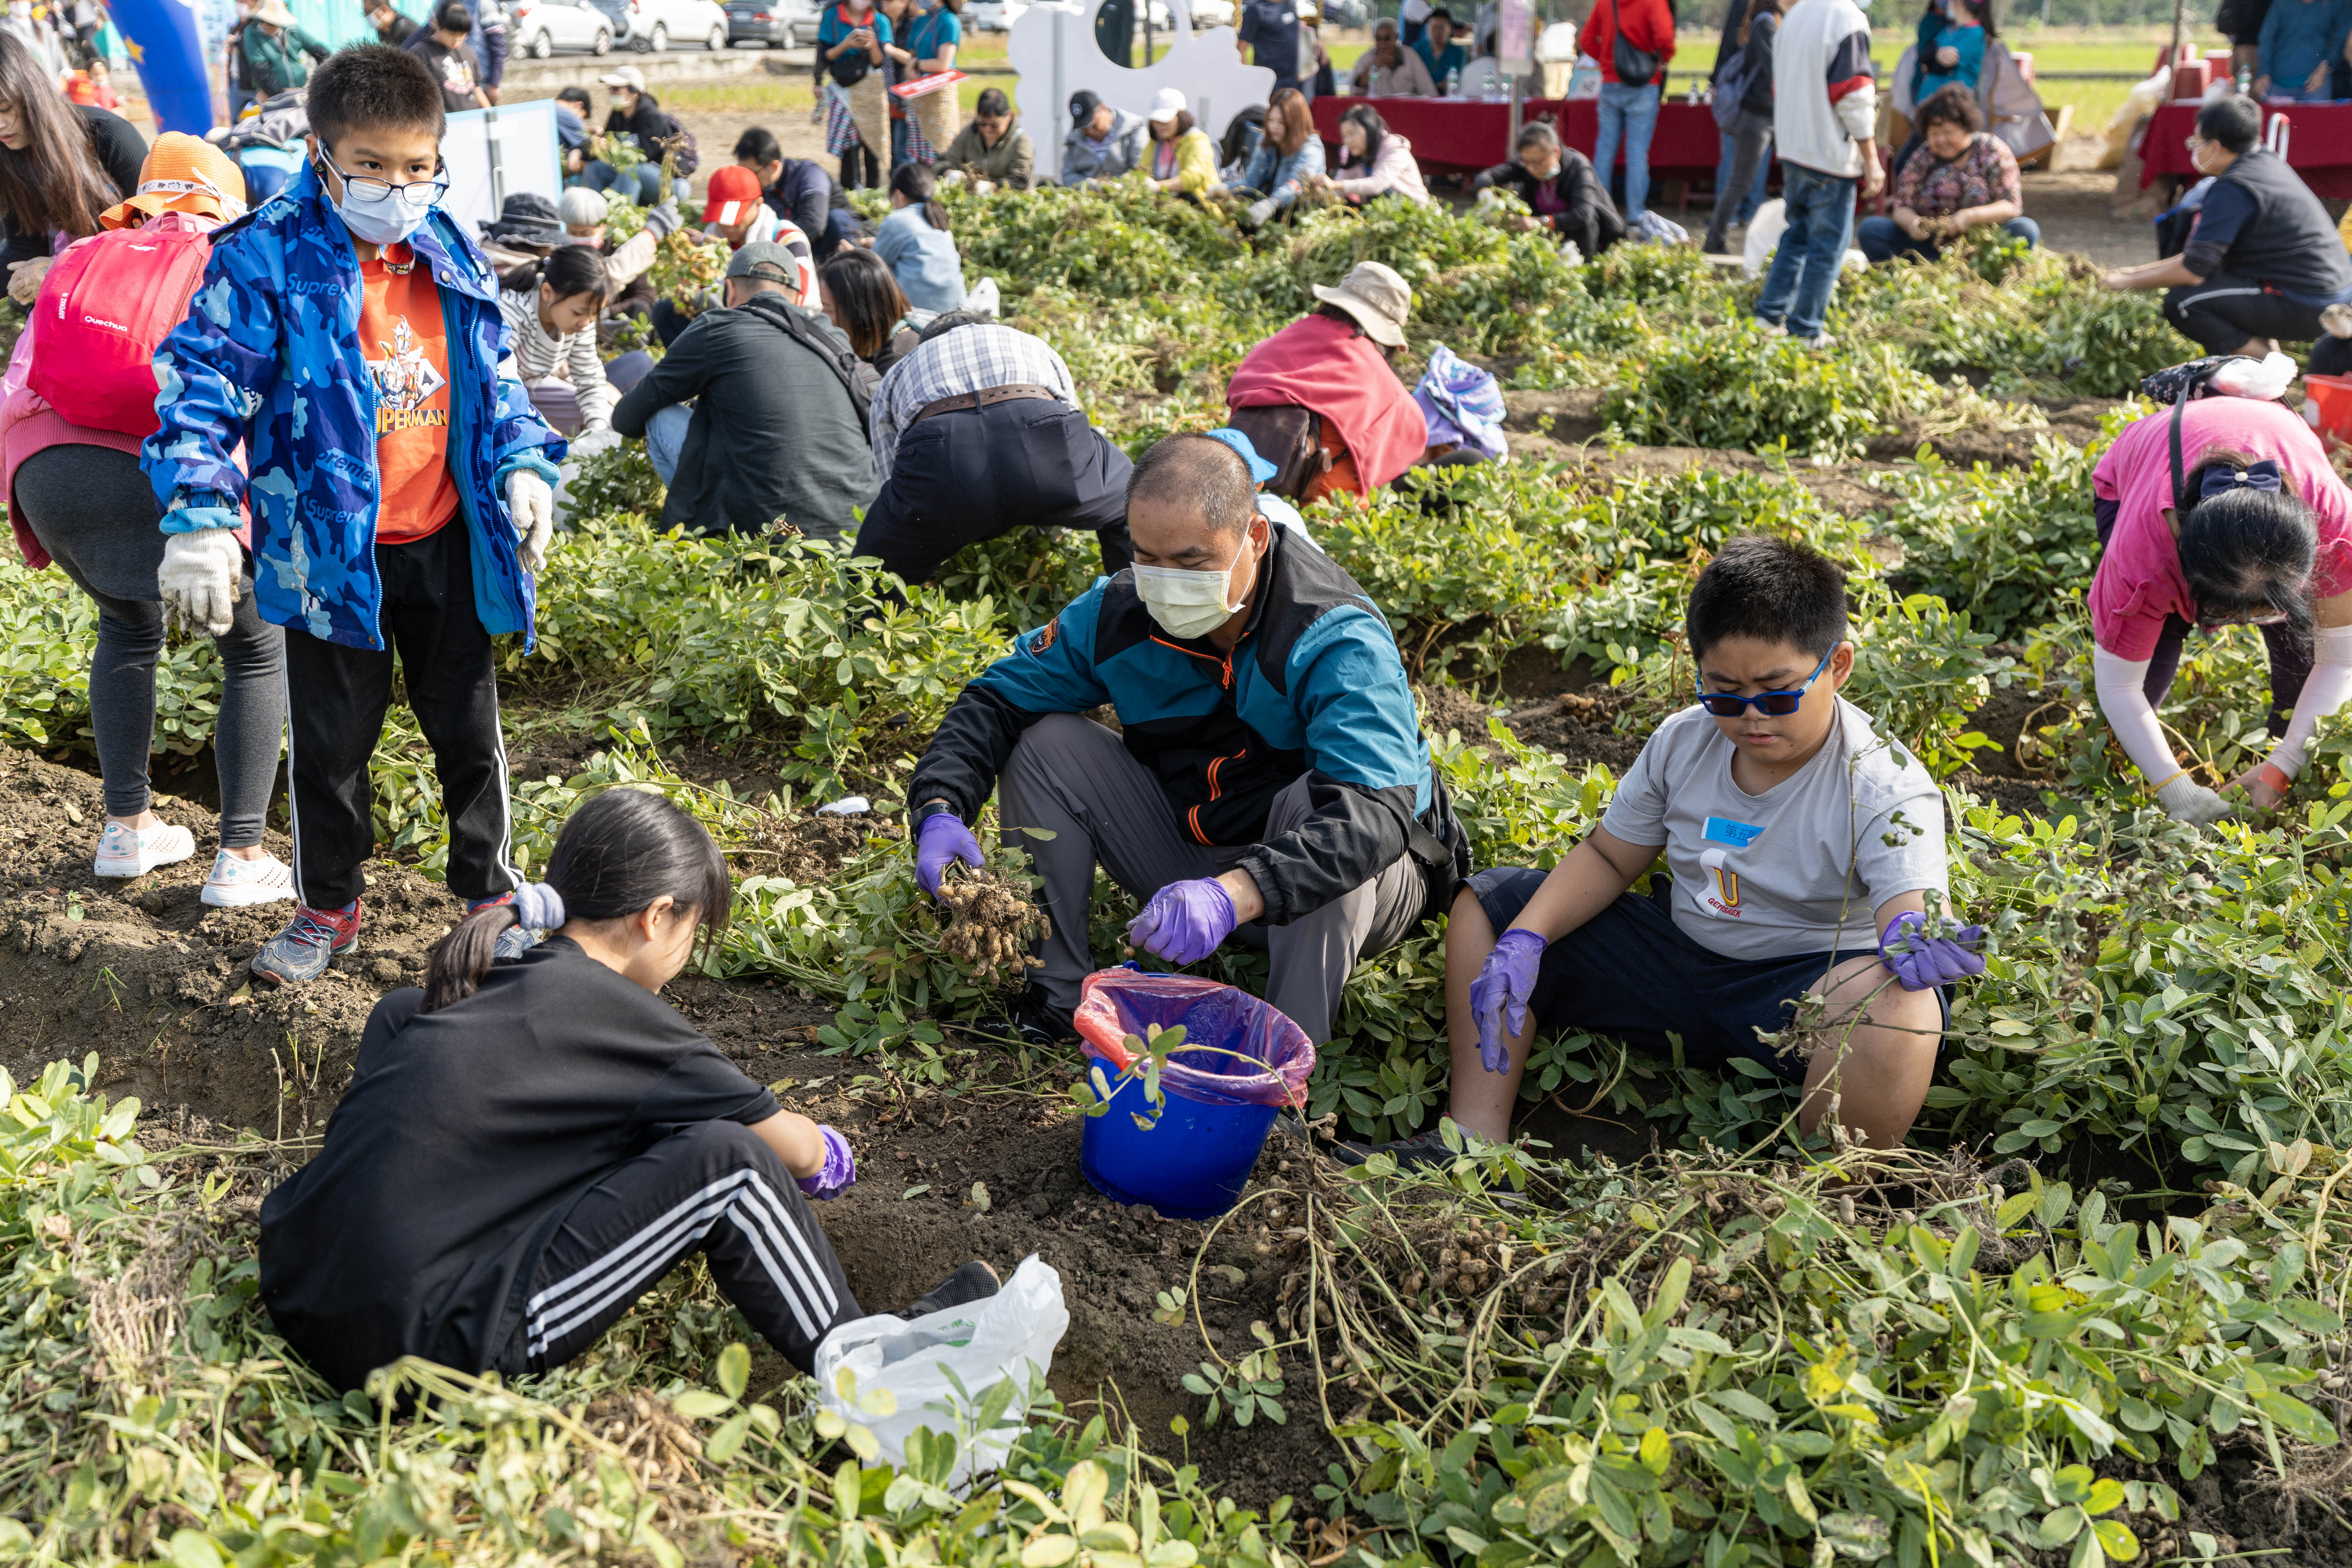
column 1031, row 1021
column 975, row 1282
column 1423, row 1151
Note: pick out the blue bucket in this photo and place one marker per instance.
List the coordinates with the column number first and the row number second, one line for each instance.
column 1193, row 1164
column 1193, row 1161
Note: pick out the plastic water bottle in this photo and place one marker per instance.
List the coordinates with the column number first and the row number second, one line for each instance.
column 2245, row 80
column 1454, row 82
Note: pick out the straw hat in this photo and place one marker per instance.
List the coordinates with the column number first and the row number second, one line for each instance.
column 182, row 174
column 1377, row 298
column 274, row 14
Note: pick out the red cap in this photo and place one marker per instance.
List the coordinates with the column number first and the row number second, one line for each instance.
column 734, row 193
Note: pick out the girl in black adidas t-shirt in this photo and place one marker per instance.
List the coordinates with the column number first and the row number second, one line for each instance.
column 526, row 1149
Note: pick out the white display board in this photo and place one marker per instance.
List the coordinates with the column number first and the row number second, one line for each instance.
column 1052, row 45
column 494, row 153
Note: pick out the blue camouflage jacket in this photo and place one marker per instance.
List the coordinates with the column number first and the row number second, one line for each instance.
column 270, row 356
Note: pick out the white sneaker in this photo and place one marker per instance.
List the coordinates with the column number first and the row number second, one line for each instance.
column 121, row 852
column 1770, row 328
column 1821, row 341
column 237, row 884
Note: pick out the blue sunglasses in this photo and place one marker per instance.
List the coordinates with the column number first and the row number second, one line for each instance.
column 1771, row 704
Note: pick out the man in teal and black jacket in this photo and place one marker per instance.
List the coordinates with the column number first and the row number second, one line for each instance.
column 1268, row 779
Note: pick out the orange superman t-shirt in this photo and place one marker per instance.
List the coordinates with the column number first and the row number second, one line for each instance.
column 406, row 346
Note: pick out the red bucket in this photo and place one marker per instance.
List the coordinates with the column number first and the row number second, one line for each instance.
column 2327, row 408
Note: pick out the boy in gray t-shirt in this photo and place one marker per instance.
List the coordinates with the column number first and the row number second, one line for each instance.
column 1804, row 854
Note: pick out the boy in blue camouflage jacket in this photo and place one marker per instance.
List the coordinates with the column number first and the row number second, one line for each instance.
column 348, row 335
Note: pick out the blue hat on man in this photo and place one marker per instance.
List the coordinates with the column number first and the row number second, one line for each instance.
column 1260, row 469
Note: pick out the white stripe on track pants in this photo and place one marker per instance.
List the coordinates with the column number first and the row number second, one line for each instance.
column 713, row 1187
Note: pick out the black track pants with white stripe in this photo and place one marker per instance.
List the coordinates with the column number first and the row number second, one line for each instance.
column 714, row 1188
column 336, row 697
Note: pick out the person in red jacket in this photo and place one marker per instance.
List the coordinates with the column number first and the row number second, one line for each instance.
column 1632, row 39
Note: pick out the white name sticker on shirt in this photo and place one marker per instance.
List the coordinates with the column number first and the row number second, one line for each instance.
column 1723, row 830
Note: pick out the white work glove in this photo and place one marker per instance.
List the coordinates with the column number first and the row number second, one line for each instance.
column 531, row 502
column 2186, row 800
column 199, row 577
column 1258, row 212
column 588, row 444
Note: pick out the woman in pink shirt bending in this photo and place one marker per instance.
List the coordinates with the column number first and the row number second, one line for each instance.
column 2222, row 509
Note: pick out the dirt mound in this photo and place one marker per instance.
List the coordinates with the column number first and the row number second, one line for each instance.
column 810, row 849
column 159, row 985
column 1577, row 726
column 913, row 1217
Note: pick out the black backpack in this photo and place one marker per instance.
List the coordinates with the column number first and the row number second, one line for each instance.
column 1634, row 68
column 684, row 156
column 858, row 378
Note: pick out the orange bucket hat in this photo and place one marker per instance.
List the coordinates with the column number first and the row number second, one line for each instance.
column 182, row 174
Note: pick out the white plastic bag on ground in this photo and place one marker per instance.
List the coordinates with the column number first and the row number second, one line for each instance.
column 1763, row 236
column 1011, row 1334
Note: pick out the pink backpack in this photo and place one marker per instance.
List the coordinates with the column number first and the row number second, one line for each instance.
column 105, row 308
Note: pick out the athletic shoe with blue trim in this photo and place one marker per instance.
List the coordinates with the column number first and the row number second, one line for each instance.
column 513, row 941
column 302, row 953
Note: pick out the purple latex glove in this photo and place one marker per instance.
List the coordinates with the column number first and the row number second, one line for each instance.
column 1184, row 921
column 840, row 1172
column 1498, row 997
column 1920, row 961
column 940, row 841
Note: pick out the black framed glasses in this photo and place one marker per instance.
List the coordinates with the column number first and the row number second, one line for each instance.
column 418, row 194
column 1771, row 704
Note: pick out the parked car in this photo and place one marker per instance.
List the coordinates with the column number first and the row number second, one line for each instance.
column 654, row 23
column 617, row 17
column 540, row 28
column 779, row 24
column 993, row 15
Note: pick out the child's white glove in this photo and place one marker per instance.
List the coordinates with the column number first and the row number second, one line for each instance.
column 533, row 503
column 199, row 577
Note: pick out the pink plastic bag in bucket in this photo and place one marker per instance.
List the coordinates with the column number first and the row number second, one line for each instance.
column 1115, row 1003
column 1190, row 1157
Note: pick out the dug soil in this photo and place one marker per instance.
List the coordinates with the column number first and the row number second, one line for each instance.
column 158, row 986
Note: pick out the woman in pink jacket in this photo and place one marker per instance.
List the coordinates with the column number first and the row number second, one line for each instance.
column 1377, row 162
column 2222, row 510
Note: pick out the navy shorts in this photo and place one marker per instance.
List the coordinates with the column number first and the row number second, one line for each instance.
column 1630, row 973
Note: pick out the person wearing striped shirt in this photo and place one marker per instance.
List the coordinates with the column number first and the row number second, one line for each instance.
column 551, row 307
column 977, row 432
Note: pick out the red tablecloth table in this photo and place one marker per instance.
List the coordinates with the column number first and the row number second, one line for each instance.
column 1449, row 136
column 2320, row 144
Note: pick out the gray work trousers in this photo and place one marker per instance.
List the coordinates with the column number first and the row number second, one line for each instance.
column 1071, row 777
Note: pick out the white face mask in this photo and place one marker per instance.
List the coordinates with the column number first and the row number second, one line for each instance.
column 1188, row 604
